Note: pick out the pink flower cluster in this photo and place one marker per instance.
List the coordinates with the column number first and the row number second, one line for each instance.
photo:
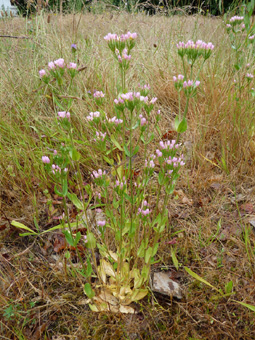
column 56, row 169
column 150, row 162
column 193, row 50
column 159, row 153
column 236, row 19
column 120, row 184
column 190, row 83
column 100, row 136
column 144, row 210
column 143, row 120
column 101, row 223
column 93, row 115
column 130, row 96
column 144, row 87
column 114, row 120
column 64, row 114
column 72, row 65
column 168, row 145
column 42, row 73
column 249, row 76
column 60, row 63
column 198, row 45
column 98, row 94
column 124, row 56
column 123, row 37
column 251, row 37
column 45, row 159
column 176, row 162
column 179, row 83
column 179, row 77
column 98, row 174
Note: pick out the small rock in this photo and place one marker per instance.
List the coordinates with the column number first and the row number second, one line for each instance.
column 164, row 285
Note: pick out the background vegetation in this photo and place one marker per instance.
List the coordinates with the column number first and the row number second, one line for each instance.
column 213, row 208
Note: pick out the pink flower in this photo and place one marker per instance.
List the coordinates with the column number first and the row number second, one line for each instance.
column 159, row 153
column 98, row 94
column 249, row 76
column 60, row 63
column 197, row 83
column 72, row 65
column 42, row 73
column 51, row 65
column 101, row 223
column 45, row 159
column 64, row 114
column 55, row 152
column 143, row 121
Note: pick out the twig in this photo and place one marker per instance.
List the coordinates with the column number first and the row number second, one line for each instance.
column 14, row 37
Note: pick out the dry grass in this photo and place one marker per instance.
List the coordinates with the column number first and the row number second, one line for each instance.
column 36, row 284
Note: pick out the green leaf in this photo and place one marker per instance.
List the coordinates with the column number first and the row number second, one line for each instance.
column 135, row 150
column 129, row 198
column 59, row 226
column 176, row 123
column 58, row 192
column 77, row 238
column 75, row 155
column 155, row 249
column 161, row 228
column 91, row 241
column 150, row 139
column 115, row 203
column 251, row 307
column 161, row 177
column 126, row 151
column 68, row 237
column 116, row 143
column 108, row 160
column 75, row 200
column 64, row 187
column 182, row 127
column 26, row 234
column 89, row 268
column 157, row 220
column 89, row 291
column 148, row 255
column 145, row 273
column 197, row 277
column 22, row 226
column 174, row 258
column 58, row 103
column 229, row 287
column 237, row 67
column 144, row 244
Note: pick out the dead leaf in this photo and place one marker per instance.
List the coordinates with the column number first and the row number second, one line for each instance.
column 247, row 207
column 38, row 333
column 59, row 243
column 166, row 286
column 183, row 198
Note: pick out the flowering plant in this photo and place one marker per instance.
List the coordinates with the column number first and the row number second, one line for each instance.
column 134, row 217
